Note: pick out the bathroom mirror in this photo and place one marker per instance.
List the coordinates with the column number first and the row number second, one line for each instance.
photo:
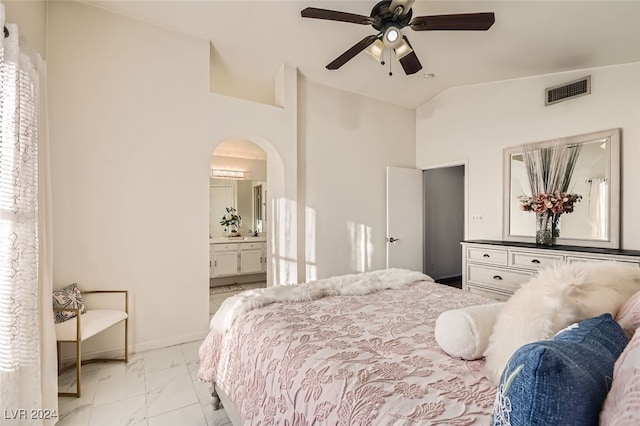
column 239, row 194
column 595, row 222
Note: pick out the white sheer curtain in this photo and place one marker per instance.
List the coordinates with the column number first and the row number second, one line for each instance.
column 28, row 379
column 598, row 208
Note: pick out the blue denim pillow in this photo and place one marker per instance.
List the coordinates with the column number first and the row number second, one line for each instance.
column 562, row 381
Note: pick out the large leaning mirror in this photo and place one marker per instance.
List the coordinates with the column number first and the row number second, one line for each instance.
column 595, row 221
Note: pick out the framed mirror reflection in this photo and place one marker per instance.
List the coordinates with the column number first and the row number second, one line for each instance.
column 246, row 196
column 595, row 220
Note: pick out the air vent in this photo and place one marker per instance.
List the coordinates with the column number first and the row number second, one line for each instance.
column 570, row 90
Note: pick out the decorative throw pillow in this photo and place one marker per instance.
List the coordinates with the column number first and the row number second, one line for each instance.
column 629, row 315
column 68, row 297
column 562, row 381
column 622, row 405
column 464, row 333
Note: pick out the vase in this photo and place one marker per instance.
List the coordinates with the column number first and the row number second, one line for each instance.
column 544, row 232
column 555, row 225
column 232, row 231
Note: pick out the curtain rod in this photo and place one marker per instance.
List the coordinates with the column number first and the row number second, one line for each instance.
column 6, row 32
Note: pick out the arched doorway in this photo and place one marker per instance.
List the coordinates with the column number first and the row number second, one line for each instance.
column 238, row 180
column 246, row 174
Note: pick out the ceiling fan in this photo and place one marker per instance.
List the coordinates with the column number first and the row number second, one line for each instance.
column 388, row 17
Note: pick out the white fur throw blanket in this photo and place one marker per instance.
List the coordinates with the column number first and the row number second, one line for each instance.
column 344, row 285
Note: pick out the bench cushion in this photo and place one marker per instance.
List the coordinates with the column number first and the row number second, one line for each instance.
column 92, row 322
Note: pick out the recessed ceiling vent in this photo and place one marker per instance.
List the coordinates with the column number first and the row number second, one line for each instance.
column 570, row 90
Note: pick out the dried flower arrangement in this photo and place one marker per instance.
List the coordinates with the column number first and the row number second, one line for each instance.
column 549, row 171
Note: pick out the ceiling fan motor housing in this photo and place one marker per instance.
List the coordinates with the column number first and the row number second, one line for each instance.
column 384, row 18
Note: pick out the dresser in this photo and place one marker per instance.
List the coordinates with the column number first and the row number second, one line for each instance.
column 497, row 269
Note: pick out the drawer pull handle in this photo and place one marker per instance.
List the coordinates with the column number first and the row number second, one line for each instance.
column 497, row 277
column 535, row 261
column 485, row 255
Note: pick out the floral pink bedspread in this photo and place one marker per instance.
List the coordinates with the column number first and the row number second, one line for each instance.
column 349, row 360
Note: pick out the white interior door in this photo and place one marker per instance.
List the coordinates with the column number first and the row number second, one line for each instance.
column 404, row 218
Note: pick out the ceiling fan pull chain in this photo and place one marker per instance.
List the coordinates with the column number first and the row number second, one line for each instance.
column 390, row 73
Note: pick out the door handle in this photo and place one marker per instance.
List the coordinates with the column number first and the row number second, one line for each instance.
column 393, row 240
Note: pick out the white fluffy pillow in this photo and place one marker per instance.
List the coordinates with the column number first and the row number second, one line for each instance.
column 464, row 333
column 557, row 297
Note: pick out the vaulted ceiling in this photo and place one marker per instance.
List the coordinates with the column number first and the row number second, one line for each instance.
column 254, row 38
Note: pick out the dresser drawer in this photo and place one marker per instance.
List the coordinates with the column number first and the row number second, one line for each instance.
column 580, row 259
column 534, row 261
column 251, row 246
column 488, row 293
column 628, row 262
column 497, row 278
column 490, row 256
column 225, row 247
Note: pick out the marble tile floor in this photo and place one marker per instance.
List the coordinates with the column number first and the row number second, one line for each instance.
column 217, row 295
column 155, row 388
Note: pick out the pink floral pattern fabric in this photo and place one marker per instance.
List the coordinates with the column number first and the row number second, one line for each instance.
column 629, row 315
column 622, row 405
column 349, row 360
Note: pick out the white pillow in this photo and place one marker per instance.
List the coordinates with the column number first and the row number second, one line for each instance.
column 464, row 333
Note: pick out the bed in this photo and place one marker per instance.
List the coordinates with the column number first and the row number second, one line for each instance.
column 352, row 350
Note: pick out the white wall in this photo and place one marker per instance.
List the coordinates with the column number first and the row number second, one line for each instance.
column 127, row 141
column 133, row 128
column 348, row 141
column 477, row 122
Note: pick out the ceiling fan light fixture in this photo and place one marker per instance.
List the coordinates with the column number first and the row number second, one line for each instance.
column 392, row 37
column 375, row 50
column 402, row 49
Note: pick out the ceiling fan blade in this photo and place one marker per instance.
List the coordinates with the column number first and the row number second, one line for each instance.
column 410, row 62
column 456, row 22
column 333, row 15
column 353, row 51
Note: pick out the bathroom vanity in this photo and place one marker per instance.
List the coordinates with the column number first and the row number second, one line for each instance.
column 233, row 256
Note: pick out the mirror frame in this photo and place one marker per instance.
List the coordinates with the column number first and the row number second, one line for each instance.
column 613, row 135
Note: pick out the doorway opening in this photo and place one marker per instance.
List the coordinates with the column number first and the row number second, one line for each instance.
column 444, row 223
column 237, row 219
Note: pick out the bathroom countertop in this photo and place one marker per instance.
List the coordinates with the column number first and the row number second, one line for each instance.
column 241, row 239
